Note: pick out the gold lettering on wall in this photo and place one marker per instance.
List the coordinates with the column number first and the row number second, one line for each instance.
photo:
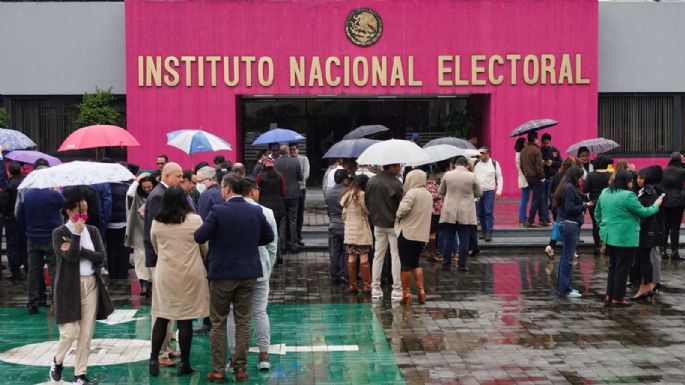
column 495, row 80
column 513, row 59
column 477, row 68
column 443, row 70
column 297, row 71
column 527, row 77
column 565, row 74
column 579, row 71
column 547, row 62
column 410, row 68
column 332, row 81
column 212, row 60
column 171, row 77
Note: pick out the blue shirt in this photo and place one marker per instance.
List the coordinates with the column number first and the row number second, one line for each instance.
column 39, row 214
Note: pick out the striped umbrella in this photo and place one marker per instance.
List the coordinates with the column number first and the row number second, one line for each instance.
column 595, row 146
column 533, row 125
column 192, row 141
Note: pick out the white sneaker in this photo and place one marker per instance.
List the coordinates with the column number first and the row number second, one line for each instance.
column 263, row 365
column 396, row 295
column 104, row 271
column 376, row 293
column 574, row 294
column 575, row 255
column 549, row 251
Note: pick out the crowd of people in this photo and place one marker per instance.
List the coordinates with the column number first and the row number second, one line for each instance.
column 203, row 242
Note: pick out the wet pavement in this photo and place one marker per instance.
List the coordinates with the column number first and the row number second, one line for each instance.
column 499, row 323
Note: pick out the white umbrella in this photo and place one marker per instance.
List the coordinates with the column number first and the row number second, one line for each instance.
column 439, row 152
column 393, row 151
column 76, row 173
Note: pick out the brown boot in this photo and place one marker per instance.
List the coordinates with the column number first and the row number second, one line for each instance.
column 418, row 276
column 352, row 277
column 405, row 276
column 366, row 276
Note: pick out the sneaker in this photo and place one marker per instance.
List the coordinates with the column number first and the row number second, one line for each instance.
column 396, row 295
column 104, row 271
column 574, row 294
column 549, row 250
column 82, row 380
column 56, row 371
column 376, row 293
column 263, row 365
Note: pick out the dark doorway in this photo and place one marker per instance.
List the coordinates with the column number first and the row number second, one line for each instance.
column 325, row 120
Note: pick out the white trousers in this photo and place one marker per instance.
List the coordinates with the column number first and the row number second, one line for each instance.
column 385, row 237
column 82, row 330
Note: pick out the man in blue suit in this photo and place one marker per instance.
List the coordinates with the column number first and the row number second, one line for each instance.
column 235, row 229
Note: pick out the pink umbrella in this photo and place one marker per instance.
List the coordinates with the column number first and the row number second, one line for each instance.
column 99, row 135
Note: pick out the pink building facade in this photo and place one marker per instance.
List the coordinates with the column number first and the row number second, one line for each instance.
column 190, row 62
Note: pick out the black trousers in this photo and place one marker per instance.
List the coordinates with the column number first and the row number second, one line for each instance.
column 644, row 265
column 410, row 251
column 117, row 253
column 673, row 216
column 620, row 261
column 336, row 250
column 300, row 214
column 289, row 236
column 595, row 226
column 17, row 249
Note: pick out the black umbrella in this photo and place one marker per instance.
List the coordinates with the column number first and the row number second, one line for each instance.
column 533, row 125
column 452, row 141
column 349, row 148
column 363, row 131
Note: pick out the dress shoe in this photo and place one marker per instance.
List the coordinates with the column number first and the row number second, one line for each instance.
column 166, row 362
column 215, row 377
column 154, row 368
column 488, row 238
column 183, row 369
column 474, row 253
column 481, row 237
column 240, row 374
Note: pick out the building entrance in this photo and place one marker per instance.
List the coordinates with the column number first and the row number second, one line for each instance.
column 325, row 120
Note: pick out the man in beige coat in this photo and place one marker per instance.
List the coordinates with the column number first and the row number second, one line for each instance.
column 460, row 188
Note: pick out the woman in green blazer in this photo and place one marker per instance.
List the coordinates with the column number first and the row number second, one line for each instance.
column 618, row 213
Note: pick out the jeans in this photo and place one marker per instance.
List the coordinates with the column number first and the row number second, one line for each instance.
column 547, row 199
column 485, row 208
column 336, row 250
column 300, row 214
column 290, row 229
column 620, row 261
column 537, row 187
column 448, row 232
column 262, row 328
column 224, row 293
column 40, row 254
column 570, row 233
column 16, row 247
column 385, row 237
column 525, row 196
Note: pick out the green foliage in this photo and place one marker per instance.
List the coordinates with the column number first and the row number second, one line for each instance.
column 98, row 108
column 4, row 118
column 461, row 123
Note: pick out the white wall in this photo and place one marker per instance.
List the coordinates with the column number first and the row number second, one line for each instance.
column 62, row 48
column 641, row 47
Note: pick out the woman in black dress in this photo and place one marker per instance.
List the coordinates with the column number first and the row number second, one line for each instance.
column 271, row 192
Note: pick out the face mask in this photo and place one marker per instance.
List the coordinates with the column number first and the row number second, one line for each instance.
column 201, row 187
column 76, row 217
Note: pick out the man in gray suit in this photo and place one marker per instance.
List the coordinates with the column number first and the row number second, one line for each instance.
column 290, row 168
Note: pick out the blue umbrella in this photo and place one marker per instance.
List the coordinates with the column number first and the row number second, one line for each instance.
column 14, row 140
column 533, row 125
column 278, row 135
column 349, row 148
column 192, row 141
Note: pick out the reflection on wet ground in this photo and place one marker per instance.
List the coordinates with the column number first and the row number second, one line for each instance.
column 499, row 323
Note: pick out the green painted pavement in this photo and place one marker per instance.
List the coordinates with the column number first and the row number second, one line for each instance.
column 293, row 325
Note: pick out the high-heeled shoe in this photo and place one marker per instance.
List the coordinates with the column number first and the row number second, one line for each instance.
column 644, row 295
column 154, row 368
column 183, row 368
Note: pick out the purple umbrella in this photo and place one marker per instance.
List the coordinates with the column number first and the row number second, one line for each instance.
column 31, row 157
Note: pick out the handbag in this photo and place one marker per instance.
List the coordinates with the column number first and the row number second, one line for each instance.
column 556, row 235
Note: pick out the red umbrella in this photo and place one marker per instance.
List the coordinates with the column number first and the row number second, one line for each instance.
column 99, row 135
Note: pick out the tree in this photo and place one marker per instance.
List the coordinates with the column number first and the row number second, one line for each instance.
column 98, row 108
column 4, row 118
